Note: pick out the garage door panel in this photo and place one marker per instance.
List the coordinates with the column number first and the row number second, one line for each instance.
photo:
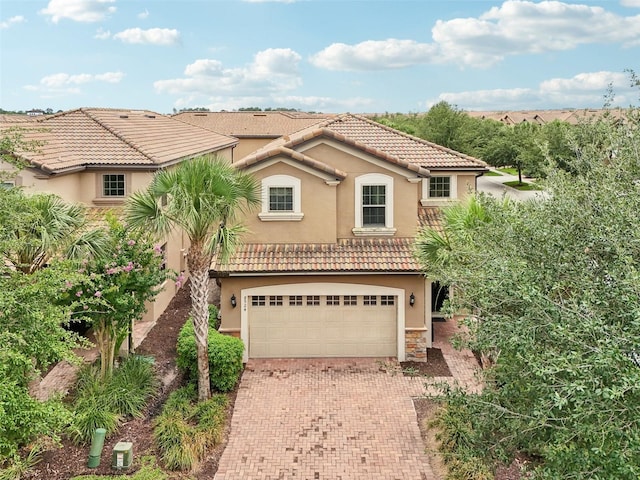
column 322, row 330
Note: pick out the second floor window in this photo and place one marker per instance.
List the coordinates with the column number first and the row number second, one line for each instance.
column 373, row 205
column 113, row 185
column 440, row 187
column 281, row 199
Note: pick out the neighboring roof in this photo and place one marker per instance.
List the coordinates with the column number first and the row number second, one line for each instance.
column 430, row 217
column 376, row 139
column 541, row 117
column 11, row 118
column 346, row 256
column 86, row 137
column 253, row 124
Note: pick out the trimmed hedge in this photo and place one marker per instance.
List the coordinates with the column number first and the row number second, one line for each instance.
column 225, row 357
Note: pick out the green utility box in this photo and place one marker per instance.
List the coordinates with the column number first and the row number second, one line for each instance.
column 122, row 455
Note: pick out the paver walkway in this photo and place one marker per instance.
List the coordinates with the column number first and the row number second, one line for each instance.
column 331, row 419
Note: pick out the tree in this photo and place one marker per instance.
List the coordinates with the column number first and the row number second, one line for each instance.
column 444, row 125
column 39, row 227
column 203, row 197
column 553, row 286
column 110, row 291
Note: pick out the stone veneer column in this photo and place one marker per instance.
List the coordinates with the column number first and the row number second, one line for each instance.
column 416, row 345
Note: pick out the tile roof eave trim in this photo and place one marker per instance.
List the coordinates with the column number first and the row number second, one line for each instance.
column 324, row 273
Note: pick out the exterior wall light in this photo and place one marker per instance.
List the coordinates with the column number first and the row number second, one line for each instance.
column 233, row 300
column 412, row 299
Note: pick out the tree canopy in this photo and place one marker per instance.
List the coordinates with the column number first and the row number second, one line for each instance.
column 552, row 291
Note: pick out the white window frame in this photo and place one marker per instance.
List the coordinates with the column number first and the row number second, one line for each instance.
column 286, row 181
column 453, row 190
column 374, row 179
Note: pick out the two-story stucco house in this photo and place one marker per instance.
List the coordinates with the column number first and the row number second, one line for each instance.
column 327, row 269
column 97, row 157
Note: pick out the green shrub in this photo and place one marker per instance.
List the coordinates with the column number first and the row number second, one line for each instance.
column 225, row 357
column 103, row 404
column 186, row 429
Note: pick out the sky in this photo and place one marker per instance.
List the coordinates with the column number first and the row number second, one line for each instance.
column 331, row 56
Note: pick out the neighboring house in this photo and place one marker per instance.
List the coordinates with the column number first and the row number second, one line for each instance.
column 542, row 117
column 253, row 129
column 97, row 157
column 327, row 268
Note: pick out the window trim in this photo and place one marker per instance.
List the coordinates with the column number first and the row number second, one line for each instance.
column 368, row 180
column 426, row 187
column 282, row 181
column 101, row 198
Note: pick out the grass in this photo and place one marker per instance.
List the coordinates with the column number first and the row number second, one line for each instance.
column 492, row 173
column 524, row 186
column 508, row 170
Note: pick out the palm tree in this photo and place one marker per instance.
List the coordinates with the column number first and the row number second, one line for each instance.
column 202, row 197
column 39, row 227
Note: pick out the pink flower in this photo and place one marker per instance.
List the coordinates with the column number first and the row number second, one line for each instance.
column 86, row 307
column 128, row 267
column 79, row 293
column 131, row 243
column 98, row 294
column 111, row 271
column 157, row 249
column 68, row 284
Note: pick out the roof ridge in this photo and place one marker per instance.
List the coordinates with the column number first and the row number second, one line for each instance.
column 117, row 134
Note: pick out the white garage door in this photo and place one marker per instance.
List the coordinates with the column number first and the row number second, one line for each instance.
column 282, row 326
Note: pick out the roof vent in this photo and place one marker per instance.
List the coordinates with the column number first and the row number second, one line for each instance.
column 199, row 114
column 150, row 116
column 124, row 116
column 259, row 114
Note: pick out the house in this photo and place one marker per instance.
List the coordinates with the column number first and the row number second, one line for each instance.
column 253, row 129
column 97, row 157
column 327, row 268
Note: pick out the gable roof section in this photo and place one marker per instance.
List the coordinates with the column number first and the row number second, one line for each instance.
column 253, row 124
column 378, row 140
column 357, row 255
column 77, row 139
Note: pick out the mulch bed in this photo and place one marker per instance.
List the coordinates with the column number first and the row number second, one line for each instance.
column 435, row 366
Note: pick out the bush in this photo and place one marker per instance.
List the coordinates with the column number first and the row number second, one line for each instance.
column 225, row 357
column 99, row 404
column 186, row 429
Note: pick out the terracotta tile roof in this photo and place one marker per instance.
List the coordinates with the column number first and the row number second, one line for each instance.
column 253, row 124
column 541, row 117
column 381, row 141
column 430, row 217
column 103, row 137
column 347, row 255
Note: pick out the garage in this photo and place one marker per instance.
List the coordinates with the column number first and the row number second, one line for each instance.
column 334, row 324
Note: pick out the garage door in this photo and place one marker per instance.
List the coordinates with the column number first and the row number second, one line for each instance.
column 282, row 326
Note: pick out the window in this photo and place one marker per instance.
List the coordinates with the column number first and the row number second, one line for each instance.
column 370, row 300
column 333, row 300
column 163, row 252
column 439, row 187
column 374, row 205
column 350, row 300
column 313, row 300
column 295, row 300
column 258, row 301
column 113, row 185
column 275, row 300
column 281, row 200
column 387, row 300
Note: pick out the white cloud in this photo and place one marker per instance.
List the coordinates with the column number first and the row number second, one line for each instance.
column 517, row 27
column 152, row 36
column 374, row 55
column 64, row 83
column 79, row 10
column 102, row 34
column 630, row 3
column 12, row 21
column 272, row 71
column 143, row 15
column 581, row 90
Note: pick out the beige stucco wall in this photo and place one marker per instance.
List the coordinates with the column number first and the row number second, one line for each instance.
column 414, row 316
column 249, row 145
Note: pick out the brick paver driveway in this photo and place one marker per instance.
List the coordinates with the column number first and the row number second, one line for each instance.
column 324, row 419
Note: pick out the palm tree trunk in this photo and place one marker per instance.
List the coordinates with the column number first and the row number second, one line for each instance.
column 199, row 271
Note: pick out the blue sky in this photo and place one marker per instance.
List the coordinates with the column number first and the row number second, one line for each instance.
column 335, row 56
